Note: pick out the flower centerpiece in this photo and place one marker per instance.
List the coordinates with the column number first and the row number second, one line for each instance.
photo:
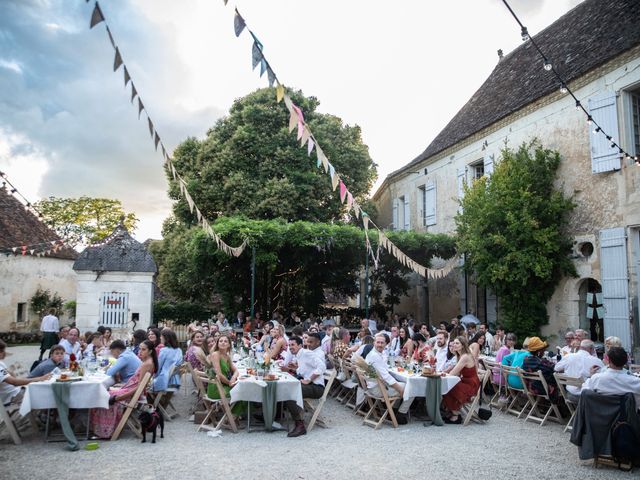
column 73, row 363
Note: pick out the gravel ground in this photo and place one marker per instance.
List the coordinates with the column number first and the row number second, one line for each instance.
column 345, row 450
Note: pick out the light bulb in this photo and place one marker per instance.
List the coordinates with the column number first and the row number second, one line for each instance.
column 563, row 88
column 547, row 66
column 589, row 119
column 525, row 34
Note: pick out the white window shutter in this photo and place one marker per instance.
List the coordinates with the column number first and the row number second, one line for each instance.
column 430, row 203
column 615, row 284
column 407, row 213
column 488, row 165
column 602, row 109
column 395, row 214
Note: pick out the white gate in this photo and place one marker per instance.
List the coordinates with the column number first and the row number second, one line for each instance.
column 615, row 284
column 114, row 308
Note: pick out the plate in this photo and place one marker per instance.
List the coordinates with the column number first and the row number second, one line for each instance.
column 66, row 380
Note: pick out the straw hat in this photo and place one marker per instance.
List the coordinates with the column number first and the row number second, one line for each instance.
column 535, row 344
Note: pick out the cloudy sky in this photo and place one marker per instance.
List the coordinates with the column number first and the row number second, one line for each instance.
column 398, row 69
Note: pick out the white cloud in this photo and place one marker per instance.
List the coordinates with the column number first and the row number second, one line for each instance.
column 10, row 65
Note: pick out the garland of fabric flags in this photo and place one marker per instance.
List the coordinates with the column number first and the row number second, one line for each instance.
column 306, row 137
column 98, row 17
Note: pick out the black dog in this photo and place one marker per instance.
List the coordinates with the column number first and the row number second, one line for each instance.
column 149, row 420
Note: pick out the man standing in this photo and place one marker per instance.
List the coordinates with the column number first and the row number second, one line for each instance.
column 310, row 370
column 579, row 365
column 71, row 345
column 49, row 328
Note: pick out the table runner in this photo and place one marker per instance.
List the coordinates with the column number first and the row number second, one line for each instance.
column 61, row 394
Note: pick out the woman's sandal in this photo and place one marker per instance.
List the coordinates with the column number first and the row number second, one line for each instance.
column 457, row 421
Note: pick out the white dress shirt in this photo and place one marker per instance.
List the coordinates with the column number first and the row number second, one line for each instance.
column 577, row 365
column 376, row 360
column 69, row 349
column 311, row 363
column 614, row 382
column 441, row 358
column 394, row 346
column 50, row 324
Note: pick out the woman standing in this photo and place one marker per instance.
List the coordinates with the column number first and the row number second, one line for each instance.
column 469, row 384
column 225, row 371
column 105, row 420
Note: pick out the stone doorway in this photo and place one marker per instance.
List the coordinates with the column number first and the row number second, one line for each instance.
column 591, row 309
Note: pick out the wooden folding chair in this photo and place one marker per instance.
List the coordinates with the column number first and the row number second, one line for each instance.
column 226, row 420
column 470, row 411
column 563, row 382
column 367, row 403
column 127, row 419
column 493, row 367
column 381, row 405
column 199, row 380
column 349, row 387
column 6, row 422
column 539, row 401
column 168, row 410
column 329, row 377
column 517, row 395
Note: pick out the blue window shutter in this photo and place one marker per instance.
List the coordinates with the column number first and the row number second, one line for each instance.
column 615, row 284
column 602, row 109
column 395, row 214
column 488, row 165
column 430, row 203
column 407, row 213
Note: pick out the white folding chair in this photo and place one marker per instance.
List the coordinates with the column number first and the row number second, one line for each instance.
column 563, row 382
column 329, row 377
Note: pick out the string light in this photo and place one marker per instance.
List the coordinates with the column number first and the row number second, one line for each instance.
column 563, row 85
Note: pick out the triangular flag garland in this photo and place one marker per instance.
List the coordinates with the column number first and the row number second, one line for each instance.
column 306, row 137
column 97, row 17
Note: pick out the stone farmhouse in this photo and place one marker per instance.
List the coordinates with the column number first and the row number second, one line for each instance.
column 596, row 49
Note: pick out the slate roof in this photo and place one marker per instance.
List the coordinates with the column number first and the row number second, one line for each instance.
column 586, row 37
column 19, row 226
column 119, row 252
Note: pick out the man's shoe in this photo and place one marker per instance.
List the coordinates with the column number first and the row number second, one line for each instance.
column 298, row 429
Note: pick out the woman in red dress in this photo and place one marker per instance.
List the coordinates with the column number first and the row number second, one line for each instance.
column 464, row 391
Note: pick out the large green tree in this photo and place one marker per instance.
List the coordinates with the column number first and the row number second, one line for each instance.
column 251, row 165
column 512, row 228
column 84, row 220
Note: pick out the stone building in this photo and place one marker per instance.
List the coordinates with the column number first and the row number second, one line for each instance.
column 115, row 284
column 32, row 257
column 596, row 49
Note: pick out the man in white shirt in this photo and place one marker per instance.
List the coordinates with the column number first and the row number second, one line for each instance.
column 71, row 344
column 441, row 348
column 394, row 346
column 310, row 371
column 614, row 380
column 376, row 360
column 49, row 328
column 488, row 337
column 11, row 390
column 569, row 337
column 369, row 326
column 579, row 365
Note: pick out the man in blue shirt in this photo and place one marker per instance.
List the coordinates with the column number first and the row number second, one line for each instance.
column 126, row 362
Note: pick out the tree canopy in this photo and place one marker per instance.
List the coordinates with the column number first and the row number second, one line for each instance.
column 84, row 220
column 251, row 165
column 512, row 229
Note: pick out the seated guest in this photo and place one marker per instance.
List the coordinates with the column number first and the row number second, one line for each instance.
column 358, row 348
column 138, row 337
column 126, row 365
column 579, row 365
column 394, row 345
column 477, row 345
column 341, row 343
column 516, row 359
column 105, row 420
column 509, row 343
column 569, row 338
column 406, row 345
column 225, row 371
column 106, row 338
column 469, row 383
column 71, row 344
column 11, row 390
column 195, row 353
column 611, row 342
column 534, row 363
column 153, row 335
column 441, row 348
column 278, row 343
column 499, row 339
column 615, row 380
column 422, row 348
column 488, row 337
column 170, row 356
column 310, row 370
column 55, row 360
column 93, row 348
column 451, row 360
column 325, row 344
column 223, row 323
column 62, row 334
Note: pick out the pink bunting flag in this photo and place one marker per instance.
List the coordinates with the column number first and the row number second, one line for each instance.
column 300, row 120
column 293, row 120
column 343, row 191
column 349, row 200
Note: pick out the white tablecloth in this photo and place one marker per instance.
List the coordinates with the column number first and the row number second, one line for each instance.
column 88, row 393
column 416, row 385
column 250, row 390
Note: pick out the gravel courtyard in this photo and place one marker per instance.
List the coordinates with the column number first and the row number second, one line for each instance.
column 503, row 448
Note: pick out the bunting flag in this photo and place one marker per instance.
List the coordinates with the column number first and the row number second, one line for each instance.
column 97, row 17
column 238, row 23
column 279, row 93
column 310, row 145
column 343, row 191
